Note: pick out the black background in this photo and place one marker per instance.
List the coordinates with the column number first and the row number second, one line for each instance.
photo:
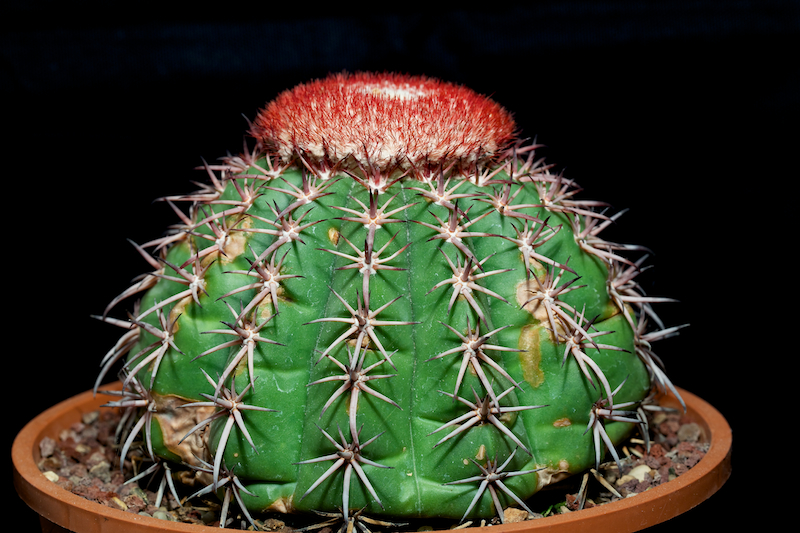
column 684, row 112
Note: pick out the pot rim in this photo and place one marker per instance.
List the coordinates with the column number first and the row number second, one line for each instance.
column 643, row 510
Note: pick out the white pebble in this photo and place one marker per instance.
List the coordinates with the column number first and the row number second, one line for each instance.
column 640, row 472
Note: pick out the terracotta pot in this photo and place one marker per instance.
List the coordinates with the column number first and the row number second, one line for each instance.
column 60, row 510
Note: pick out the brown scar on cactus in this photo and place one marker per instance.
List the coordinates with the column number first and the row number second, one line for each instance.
column 176, row 423
column 530, row 355
column 334, row 236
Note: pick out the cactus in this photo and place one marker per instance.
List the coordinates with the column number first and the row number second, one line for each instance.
column 388, row 303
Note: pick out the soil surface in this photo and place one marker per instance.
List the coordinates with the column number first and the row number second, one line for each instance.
column 84, row 461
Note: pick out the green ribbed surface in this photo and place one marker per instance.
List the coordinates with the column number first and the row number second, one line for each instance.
column 414, row 485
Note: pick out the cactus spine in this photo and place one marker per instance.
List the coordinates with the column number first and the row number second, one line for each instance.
column 388, row 303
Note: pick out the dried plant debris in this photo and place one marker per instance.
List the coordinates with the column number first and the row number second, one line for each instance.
column 84, row 460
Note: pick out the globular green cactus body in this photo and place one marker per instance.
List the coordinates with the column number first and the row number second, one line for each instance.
column 454, row 290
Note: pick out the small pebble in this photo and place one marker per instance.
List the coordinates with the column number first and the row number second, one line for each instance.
column 101, row 470
column 138, row 492
column 689, row 433
column 90, row 418
column 624, row 479
column 121, row 504
column 162, row 515
column 641, row 473
column 95, row 459
column 46, row 447
column 513, row 514
column 82, row 448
